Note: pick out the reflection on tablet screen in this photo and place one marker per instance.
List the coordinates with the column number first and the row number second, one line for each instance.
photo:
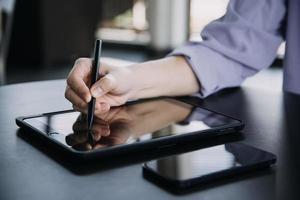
column 128, row 124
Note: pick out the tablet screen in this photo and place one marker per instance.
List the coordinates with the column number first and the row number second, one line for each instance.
column 128, row 124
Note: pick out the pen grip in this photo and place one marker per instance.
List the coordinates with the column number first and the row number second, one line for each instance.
column 96, row 62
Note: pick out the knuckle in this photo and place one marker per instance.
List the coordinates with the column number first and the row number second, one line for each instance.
column 106, row 83
column 78, row 61
column 69, row 80
column 111, row 78
column 82, row 104
column 67, row 93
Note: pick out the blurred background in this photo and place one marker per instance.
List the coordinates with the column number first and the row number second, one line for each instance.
column 41, row 39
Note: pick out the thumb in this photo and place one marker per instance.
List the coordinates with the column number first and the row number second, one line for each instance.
column 103, row 86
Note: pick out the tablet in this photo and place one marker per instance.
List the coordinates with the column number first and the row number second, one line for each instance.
column 132, row 127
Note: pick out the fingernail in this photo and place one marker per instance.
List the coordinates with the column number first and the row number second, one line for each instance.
column 96, row 92
column 88, row 98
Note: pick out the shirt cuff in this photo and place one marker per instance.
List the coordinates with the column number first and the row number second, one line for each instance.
column 213, row 70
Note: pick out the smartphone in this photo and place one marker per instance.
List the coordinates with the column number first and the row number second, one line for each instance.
column 183, row 171
column 132, row 127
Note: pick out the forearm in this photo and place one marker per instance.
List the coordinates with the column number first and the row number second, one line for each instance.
column 171, row 76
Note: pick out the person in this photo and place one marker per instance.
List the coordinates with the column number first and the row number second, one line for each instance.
column 238, row 45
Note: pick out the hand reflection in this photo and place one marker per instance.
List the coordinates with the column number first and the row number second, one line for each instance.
column 121, row 123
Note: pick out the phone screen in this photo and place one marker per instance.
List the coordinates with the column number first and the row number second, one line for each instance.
column 128, row 124
column 205, row 162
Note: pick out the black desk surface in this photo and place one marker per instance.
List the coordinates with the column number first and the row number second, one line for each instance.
column 28, row 172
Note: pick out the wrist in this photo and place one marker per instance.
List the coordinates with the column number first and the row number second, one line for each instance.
column 139, row 80
column 163, row 77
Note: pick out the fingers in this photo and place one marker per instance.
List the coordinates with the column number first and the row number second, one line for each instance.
column 80, row 88
column 75, row 99
column 78, row 78
column 103, row 86
column 79, row 93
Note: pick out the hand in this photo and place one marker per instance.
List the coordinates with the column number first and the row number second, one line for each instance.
column 113, row 89
column 117, row 85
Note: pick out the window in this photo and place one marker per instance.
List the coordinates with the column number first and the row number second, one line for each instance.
column 203, row 12
column 124, row 21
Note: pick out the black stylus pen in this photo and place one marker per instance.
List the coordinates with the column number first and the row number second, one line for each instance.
column 94, row 78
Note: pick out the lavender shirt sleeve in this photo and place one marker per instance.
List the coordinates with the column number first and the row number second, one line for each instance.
column 236, row 46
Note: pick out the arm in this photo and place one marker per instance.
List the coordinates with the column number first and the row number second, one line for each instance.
column 144, row 80
column 234, row 47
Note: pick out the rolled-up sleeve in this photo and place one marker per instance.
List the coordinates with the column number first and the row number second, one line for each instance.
column 236, row 46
